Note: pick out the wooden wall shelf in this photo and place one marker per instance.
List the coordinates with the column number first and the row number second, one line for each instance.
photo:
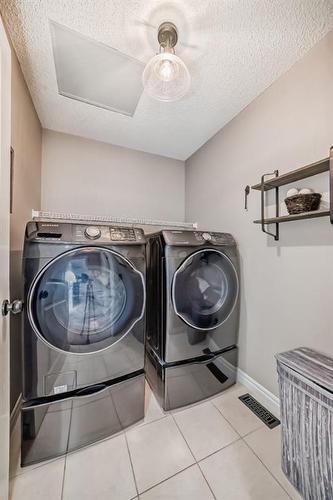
column 325, row 165
column 289, row 218
column 296, row 175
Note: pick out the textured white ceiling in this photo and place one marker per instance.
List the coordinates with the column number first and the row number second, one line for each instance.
column 234, row 49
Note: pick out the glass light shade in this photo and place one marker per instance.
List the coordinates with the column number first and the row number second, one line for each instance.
column 166, row 77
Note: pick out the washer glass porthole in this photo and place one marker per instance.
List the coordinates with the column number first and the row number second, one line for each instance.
column 86, row 300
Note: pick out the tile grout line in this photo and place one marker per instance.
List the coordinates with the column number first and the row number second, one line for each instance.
column 206, row 480
column 166, row 479
column 127, row 446
column 63, row 479
column 268, row 470
column 234, row 428
column 67, row 446
column 220, row 449
column 36, row 466
column 189, row 466
column 132, row 467
column 173, row 475
column 243, row 439
column 188, row 446
column 263, row 426
column 137, row 425
column 175, row 421
column 171, row 414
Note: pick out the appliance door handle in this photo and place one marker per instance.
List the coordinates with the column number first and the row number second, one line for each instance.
column 89, row 391
column 208, row 359
column 86, row 392
column 215, row 370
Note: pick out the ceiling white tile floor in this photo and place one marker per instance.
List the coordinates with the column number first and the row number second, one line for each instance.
column 213, row 450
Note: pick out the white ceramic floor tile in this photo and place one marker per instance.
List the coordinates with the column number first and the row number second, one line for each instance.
column 205, row 429
column 158, row 451
column 239, row 416
column 39, row 484
column 235, row 473
column 266, row 444
column 187, row 485
column 102, row 471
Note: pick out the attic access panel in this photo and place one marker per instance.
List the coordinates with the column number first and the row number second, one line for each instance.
column 94, row 73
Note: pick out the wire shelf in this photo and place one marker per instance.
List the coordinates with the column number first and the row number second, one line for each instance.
column 45, row 215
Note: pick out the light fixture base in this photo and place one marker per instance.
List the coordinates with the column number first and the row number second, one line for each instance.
column 167, row 35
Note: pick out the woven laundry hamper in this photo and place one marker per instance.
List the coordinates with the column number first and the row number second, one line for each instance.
column 306, row 397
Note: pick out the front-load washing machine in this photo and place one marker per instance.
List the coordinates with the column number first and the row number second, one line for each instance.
column 83, row 334
column 192, row 315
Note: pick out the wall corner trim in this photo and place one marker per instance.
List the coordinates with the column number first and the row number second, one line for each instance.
column 264, row 396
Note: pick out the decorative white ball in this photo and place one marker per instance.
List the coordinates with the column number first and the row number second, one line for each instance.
column 292, row 192
column 306, row 191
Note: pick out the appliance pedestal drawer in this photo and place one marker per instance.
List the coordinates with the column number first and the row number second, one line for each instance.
column 190, row 382
column 51, row 429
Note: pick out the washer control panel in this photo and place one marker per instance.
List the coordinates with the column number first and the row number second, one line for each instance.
column 206, row 236
column 122, row 234
column 83, row 233
column 108, row 234
column 92, row 232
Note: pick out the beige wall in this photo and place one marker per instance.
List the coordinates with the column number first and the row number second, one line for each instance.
column 90, row 177
column 286, row 285
column 27, row 143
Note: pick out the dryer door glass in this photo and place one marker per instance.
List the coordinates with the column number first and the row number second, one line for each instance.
column 86, row 300
column 205, row 289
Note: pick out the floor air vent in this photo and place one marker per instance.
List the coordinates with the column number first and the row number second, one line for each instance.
column 259, row 410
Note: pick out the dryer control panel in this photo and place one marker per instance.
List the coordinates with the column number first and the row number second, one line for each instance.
column 197, row 238
column 217, row 238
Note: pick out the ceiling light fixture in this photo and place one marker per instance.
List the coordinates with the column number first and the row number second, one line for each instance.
column 166, row 77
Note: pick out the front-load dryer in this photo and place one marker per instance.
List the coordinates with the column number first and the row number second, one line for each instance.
column 192, row 314
column 83, row 333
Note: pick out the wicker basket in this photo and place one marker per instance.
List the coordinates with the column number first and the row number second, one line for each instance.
column 300, row 203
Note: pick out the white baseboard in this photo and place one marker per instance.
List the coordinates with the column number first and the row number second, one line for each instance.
column 265, row 397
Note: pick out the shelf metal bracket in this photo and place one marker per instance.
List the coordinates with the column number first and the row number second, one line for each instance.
column 246, row 193
column 277, row 203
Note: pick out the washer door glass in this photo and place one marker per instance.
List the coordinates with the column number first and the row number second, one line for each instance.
column 205, row 289
column 86, row 299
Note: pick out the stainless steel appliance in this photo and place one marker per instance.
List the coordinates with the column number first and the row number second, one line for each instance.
column 83, row 335
column 192, row 315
